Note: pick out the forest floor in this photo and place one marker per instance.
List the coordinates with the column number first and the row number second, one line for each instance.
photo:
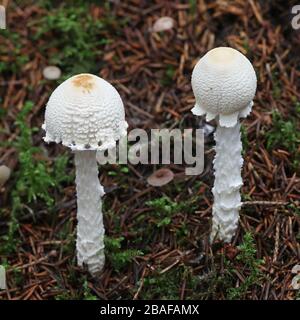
column 157, row 238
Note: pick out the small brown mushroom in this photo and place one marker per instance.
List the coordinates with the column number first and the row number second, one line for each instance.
column 160, row 177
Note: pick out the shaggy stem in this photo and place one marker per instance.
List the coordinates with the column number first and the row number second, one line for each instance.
column 228, row 181
column 90, row 230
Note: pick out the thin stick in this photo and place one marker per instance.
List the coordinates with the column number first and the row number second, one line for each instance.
column 264, row 203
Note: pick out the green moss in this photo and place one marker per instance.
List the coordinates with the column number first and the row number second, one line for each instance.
column 285, row 134
column 249, row 265
column 167, row 285
column 119, row 257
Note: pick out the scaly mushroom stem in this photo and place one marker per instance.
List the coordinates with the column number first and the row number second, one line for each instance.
column 90, row 230
column 228, row 181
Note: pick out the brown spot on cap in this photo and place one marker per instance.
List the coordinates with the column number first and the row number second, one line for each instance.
column 84, row 81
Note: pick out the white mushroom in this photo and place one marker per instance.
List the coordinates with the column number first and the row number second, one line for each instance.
column 163, row 24
column 224, row 85
column 52, row 73
column 5, row 173
column 86, row 113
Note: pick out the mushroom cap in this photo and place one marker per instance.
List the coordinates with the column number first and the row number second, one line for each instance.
column 160, row 177
column 51, row 73
column 85, row 112
column 224, row 84
column 5, row 173
column 163, row 24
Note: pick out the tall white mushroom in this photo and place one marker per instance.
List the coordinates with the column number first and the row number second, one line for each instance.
column 224, row 85
column 86, row 114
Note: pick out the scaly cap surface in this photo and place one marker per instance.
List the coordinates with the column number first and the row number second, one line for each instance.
column 224, row 85
column 85, row 112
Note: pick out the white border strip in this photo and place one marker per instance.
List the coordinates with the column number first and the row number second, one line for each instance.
column 2, row 278
column 2, row 17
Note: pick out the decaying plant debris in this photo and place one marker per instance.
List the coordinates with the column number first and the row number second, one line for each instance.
column 157, row 238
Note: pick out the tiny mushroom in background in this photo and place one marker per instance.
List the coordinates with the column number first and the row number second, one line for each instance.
column 163, row 24
column 160, row 177
column 86, row 114
column 224, row 84
column 52, row 73
column 5, row 173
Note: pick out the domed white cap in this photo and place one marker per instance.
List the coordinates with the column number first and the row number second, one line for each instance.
column 224, row 85
column 85, row 112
